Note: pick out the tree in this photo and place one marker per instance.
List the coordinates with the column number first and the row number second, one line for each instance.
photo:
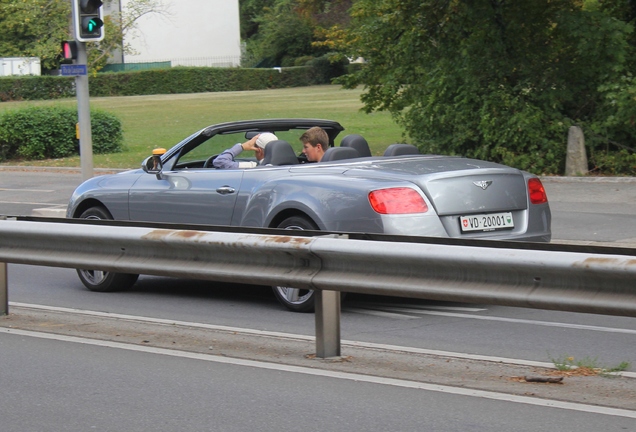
column 290, row 32
column 496, row 79
column 249, row 13
column 34, row 28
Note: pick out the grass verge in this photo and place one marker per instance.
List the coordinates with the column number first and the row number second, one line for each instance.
column 164, row 120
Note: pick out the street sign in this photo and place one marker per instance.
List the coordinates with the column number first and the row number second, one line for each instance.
column 73, row 70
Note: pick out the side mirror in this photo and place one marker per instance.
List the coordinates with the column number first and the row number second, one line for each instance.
column 152, row 164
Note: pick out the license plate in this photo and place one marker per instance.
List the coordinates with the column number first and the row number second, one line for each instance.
column 486, row 222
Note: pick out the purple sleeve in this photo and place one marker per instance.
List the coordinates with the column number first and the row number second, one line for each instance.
column 226, row 159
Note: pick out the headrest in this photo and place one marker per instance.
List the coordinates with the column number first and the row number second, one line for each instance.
column 339, row 153
column 357, row 142
column 279, row 152
column 401, row 149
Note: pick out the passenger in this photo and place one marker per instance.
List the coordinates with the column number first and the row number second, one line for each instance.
column 256, row 144
column 315, row 141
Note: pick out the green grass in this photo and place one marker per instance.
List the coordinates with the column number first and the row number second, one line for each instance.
column 587, row 365
column 164, row 120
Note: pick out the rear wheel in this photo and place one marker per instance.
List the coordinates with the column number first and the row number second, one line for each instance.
column 294, row 299
column 101, row 281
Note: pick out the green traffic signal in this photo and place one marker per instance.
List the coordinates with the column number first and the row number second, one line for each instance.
column 88, row 20
column 91, row 25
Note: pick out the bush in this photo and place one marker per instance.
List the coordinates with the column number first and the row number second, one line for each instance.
column 49, row 132
column 169, row 81
column 35, row 87
column 324, row 69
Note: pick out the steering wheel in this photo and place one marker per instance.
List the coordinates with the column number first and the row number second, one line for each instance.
column 208, row 162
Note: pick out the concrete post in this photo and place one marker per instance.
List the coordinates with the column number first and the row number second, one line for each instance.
column 576, row 159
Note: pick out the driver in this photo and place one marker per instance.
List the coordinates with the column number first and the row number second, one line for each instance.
column 256, row 144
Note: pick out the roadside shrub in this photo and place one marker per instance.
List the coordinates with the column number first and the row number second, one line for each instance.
column 49, row 133
column 324, row 69
column 173, row 80
column 18, row 88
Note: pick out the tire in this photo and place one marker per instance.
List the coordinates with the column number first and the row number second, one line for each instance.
column 294, row 299
column 101, row 281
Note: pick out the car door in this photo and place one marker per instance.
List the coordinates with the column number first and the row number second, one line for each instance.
column 197, row 196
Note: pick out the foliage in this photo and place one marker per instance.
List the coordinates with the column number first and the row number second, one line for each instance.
column 586, row 366
column 279, row 32
column 49, row 132
column 282, row 35
column 249, row 11
column 499, row 80
column 34, row 28
column 168, row 81
column 195, row 80
column 16, row 88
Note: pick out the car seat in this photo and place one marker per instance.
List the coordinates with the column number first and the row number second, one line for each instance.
column 339, row 153
column 401, row 149
column 357, row 142
column 279, row 152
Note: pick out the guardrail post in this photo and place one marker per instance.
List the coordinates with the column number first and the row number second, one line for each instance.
column 4, row 290
column 327, row 324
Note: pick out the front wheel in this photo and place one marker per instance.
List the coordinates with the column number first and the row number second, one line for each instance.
column 101, row 281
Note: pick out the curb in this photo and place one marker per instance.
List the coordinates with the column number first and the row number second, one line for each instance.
column 49, row 212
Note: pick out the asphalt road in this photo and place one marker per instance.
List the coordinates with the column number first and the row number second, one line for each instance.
column 80, row 387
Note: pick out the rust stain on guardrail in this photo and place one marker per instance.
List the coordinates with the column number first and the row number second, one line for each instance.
column 595, row 261
column 161, row 234
column 288, row 239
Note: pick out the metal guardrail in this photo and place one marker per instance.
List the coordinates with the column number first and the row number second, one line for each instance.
column 506, row 274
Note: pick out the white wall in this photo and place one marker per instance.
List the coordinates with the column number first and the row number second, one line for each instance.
column 197, row 33
column 20, row 66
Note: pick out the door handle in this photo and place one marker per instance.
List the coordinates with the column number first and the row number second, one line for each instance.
column 225, row 190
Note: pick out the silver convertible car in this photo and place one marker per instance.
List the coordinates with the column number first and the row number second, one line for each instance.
column 400, row 192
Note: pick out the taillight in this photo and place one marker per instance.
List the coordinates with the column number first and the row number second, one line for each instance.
column 537, row 191
column 397, row 201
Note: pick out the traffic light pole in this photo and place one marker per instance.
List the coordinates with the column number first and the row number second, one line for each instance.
column 84, row 115
column 88, row 23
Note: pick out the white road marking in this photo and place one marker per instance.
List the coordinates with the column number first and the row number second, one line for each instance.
column 511, row 320
column 27, row 190
column 547, row 403
column 383, row 314
column 32, row 203
column 419, row 307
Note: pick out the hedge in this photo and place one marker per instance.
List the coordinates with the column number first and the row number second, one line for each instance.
column 166, row 81
column 49, row 132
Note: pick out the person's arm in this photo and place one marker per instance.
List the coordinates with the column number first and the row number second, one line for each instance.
column 226, row 159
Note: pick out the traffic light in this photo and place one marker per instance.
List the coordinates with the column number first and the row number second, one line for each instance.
column 88, row 20
column 69, row 51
